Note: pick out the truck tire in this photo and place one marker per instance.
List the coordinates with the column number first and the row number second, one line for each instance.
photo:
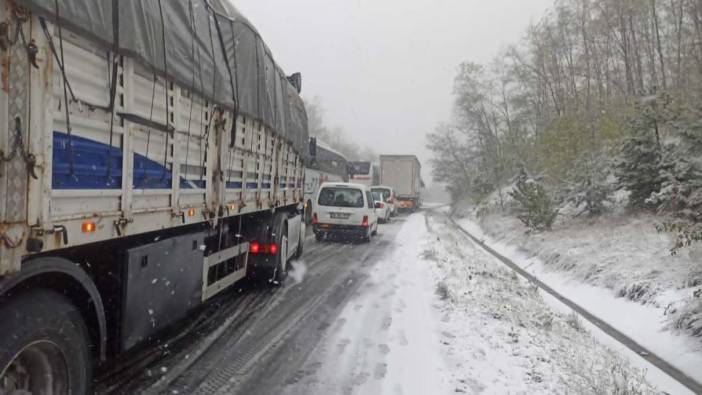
column 300, row 244
column 280, row 261
column 48, row 351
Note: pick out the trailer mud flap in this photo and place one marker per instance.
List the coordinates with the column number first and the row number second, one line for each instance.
column 163, row 283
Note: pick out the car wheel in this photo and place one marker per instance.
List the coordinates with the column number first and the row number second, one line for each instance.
column 367, row 237
column 48, row 351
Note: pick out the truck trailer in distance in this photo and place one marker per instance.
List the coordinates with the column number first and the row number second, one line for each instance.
column 404, row 174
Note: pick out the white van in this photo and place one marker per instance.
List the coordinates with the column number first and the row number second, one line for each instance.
column 344, row 209
column 388, row 194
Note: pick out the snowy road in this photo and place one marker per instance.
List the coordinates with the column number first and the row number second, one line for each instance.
column 421, row 310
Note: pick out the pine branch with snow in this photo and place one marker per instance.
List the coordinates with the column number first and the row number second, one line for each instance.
column 533, row 205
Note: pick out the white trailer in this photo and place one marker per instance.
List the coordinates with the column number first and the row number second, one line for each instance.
column 404, row 174
column 151, row 155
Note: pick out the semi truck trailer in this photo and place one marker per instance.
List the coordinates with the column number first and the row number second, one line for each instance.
column 152, row 154
column 404, row 174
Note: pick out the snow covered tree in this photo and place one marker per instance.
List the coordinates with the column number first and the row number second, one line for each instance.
column 589, row 184
column 681, row 171
column 640, row 162
column 533, row 205
column 452, row 162
column 681, row 187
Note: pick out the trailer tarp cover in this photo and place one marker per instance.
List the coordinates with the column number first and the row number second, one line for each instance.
column 210, row 48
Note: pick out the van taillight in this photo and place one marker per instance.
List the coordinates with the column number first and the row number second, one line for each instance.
column 314, row 219
column 365, row 221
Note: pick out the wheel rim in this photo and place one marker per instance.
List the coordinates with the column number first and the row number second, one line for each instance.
column 39, row 368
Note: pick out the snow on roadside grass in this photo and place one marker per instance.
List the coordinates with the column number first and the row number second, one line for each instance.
column 618, row 252
column 501, row 337
column 618, row 269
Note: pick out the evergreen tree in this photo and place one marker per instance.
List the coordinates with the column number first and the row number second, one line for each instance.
column 589, row 185
column 681, row 188
column 640, row 163
column 534, row 207
column 681, row 171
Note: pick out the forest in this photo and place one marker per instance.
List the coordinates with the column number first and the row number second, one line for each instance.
column 599, row 97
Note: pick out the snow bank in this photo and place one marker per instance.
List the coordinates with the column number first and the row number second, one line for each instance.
column 503, row 338
column 619, row 268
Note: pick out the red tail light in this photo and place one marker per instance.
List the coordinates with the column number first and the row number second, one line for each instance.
column 365, row 221
column 254, row 248
column 272, row 249
column 314, row 219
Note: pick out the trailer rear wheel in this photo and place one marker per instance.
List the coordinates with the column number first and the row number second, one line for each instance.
column 45, row 348
column 300, row 243
column 280, row 271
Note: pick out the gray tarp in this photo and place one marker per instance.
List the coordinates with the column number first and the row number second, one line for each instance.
column 247, row 80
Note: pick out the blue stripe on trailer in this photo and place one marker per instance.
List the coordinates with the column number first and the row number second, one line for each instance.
column 234, row 184
column 192, row 184
column 89, row 164
column 90, row 167
column 251, row 185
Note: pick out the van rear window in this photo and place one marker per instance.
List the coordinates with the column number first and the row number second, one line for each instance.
column 385, row 192
column 341, row 197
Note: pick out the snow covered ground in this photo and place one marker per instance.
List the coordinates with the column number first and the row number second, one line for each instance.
column 619, row 269
column 438, row 315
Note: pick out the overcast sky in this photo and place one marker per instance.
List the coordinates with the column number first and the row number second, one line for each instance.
column 384, row 68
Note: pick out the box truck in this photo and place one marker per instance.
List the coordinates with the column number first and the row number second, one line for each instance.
column 403, row 173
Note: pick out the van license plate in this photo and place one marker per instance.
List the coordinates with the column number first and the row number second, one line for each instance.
column 339, row 215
